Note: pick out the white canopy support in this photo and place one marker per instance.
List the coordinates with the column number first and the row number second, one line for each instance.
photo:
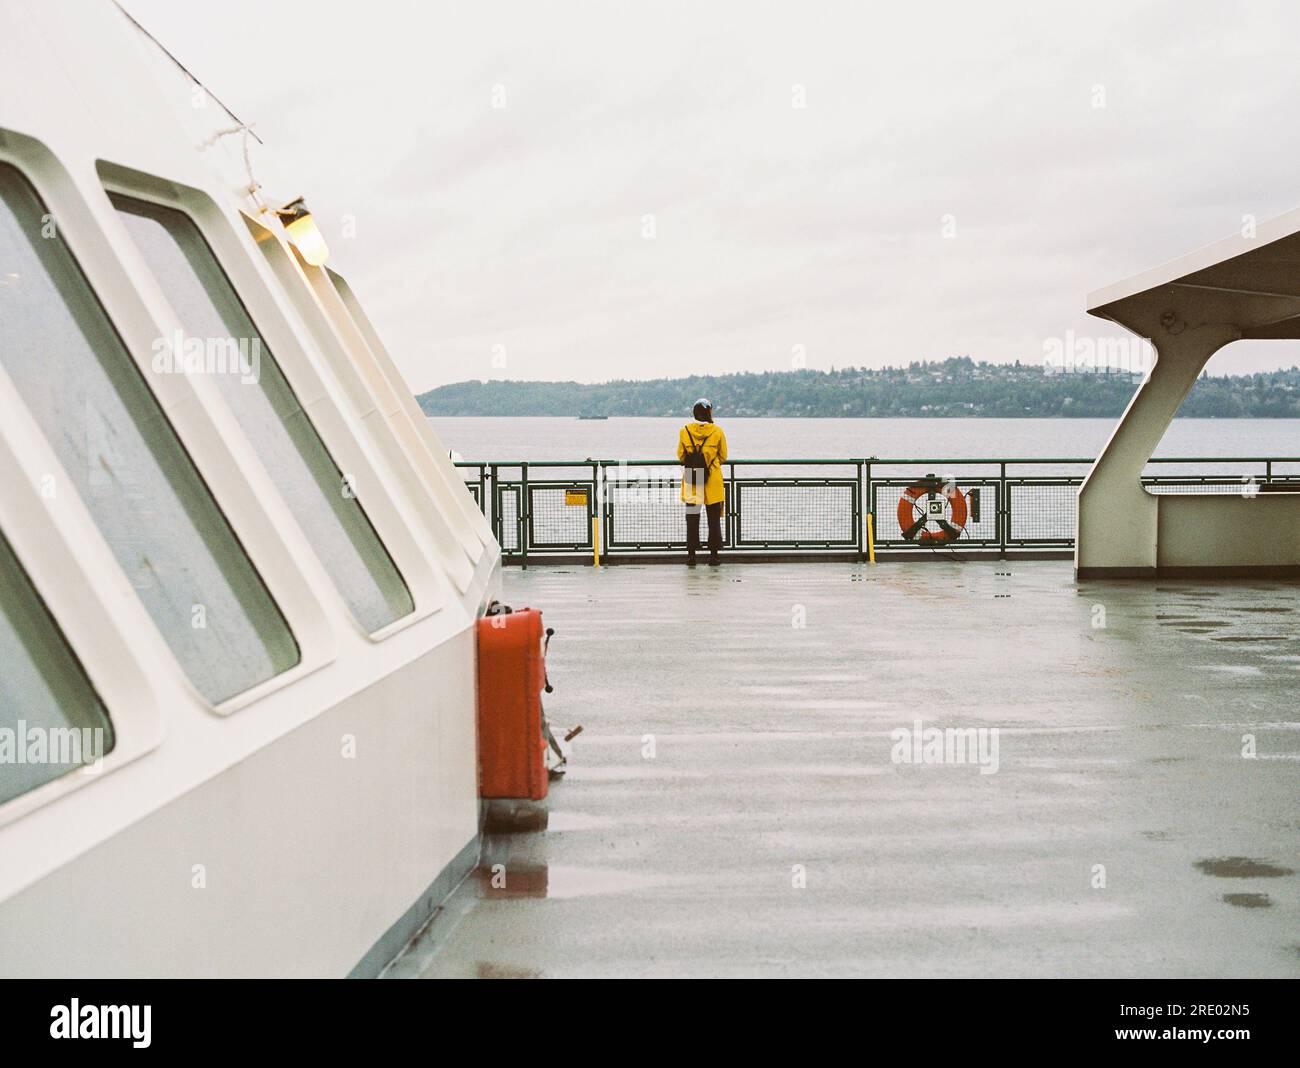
column 1242, row 287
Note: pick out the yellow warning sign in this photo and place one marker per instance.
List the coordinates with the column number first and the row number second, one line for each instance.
column 577, row 498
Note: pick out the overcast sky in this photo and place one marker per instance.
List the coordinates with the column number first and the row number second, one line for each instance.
column 601, row 190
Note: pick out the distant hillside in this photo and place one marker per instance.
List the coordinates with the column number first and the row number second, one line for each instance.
column 955, row 387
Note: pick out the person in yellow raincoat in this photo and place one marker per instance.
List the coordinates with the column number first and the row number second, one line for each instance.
column 702, row 448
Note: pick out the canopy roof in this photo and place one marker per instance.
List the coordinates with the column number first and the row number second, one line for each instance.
column 1252, row 283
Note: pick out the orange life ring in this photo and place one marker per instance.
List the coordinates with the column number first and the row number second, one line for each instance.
column 915, row 512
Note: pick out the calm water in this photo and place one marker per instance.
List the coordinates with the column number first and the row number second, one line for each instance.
column 651, row 438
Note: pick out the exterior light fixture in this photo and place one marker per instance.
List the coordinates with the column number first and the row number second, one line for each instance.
column 302, row 230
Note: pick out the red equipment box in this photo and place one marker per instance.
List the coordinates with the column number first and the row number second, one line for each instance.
column 511, row 674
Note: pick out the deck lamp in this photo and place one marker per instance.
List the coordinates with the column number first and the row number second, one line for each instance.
column 302, row 230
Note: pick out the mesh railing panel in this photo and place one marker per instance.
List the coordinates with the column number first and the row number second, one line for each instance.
column 1043, row 512
column 1225, row 488
column 776, row 513
column 645, row 513
column 557, row 524
column 650, row 514
column 508, row 518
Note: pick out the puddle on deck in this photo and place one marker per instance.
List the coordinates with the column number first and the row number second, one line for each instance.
column 531, row 880
column 1241, row 868
column 1248, row 901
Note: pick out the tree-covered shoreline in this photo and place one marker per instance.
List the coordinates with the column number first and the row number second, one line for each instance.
column 957, row 387
column 952, row 387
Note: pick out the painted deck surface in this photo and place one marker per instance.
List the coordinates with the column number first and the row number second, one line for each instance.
column 1120, row 745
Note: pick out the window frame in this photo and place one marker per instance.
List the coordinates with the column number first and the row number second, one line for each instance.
column 240, row 262
column 52, row 539
column 205, row 434
column 461, row 551
column 281, row 426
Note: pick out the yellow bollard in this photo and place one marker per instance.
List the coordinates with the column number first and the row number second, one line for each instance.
column 595, row 541
column 871, row 538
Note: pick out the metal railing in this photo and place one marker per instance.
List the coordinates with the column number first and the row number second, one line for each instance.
column 629, row 509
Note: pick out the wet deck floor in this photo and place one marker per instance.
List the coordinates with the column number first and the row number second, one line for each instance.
column 733, row 806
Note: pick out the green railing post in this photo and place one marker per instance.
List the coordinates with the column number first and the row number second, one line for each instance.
column 523, row 514
column 733, row 511
column 1004, row 509
column 859, row 511
column 606, row 509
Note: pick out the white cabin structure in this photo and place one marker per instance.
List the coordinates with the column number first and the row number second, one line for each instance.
column 230, row 543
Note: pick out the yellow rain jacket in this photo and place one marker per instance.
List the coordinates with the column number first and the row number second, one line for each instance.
column 714, row 442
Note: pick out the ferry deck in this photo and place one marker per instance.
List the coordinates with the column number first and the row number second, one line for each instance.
column 1123, row 833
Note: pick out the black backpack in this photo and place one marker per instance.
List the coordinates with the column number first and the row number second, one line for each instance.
column 694, row 461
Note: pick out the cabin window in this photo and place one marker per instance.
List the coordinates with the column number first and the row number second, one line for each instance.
column 51, row 721
column 123, row 457
column 222, row 342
